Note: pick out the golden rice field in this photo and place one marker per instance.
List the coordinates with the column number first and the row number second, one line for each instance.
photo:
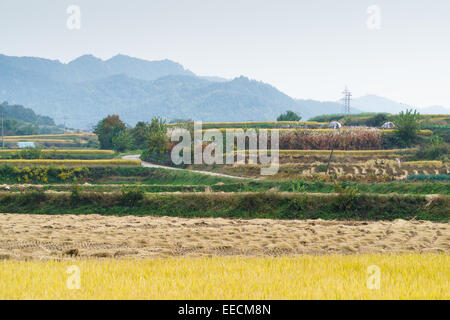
column 415, row 276
column 69, row 162
column 43, row 136
column 43, row 140
column 64, row 151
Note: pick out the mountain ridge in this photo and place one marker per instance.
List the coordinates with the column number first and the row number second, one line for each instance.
column 86, row 89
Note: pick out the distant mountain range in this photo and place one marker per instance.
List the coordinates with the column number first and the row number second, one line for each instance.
column 373, row 103
column 87, row 89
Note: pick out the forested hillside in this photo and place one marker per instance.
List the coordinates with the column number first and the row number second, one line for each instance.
column 18, row 120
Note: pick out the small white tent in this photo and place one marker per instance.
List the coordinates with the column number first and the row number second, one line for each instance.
column 334, row 125
column 388, row 125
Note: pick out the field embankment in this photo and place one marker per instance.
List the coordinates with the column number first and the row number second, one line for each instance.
column 200, row 183
column 58, row 154
column 348, row 205
column 107, row 174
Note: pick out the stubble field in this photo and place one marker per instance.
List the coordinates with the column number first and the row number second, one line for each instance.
column 44, row 237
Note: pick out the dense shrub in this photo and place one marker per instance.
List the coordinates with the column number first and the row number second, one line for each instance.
column 30, row 153
column 10, row 174
column 390, row 141
column 376, row 120
column 131, row 196
column 32, row 198
column 434, row 149
column 289, row 116
column 347, row 196
column 363, row 119
column 75, row 194
column 429, row 177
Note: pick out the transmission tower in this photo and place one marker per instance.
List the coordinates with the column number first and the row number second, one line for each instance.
column 346, row 100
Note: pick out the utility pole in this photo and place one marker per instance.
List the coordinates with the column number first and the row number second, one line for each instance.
column 346, row 100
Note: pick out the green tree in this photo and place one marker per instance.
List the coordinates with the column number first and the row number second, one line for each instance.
column 378, row 120
column 140, row 134
column 107, row 129
column 123, row 141
column 157, row 141
column 289, row 116
column 407, row 127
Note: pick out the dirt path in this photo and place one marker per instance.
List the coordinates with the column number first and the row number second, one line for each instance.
column 94, row 236
column 151, row 165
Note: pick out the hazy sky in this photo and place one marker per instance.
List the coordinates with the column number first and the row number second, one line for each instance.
column 307, row 49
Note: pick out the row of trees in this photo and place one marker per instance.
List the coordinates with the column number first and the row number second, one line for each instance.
column 289, row 116
column 150, row 137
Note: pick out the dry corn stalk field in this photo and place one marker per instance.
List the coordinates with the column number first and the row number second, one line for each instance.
column 45, row 237
column 302, row 277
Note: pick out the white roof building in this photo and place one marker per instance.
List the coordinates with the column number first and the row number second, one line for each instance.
column 23, row 145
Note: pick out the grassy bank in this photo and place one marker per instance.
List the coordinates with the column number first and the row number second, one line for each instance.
column 347, row 205
column 56, row 154
column 193, row 184
column 322, row 187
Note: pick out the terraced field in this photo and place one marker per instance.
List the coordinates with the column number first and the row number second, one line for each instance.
column 321, row 220
column 52, row 140
column 373, row 170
